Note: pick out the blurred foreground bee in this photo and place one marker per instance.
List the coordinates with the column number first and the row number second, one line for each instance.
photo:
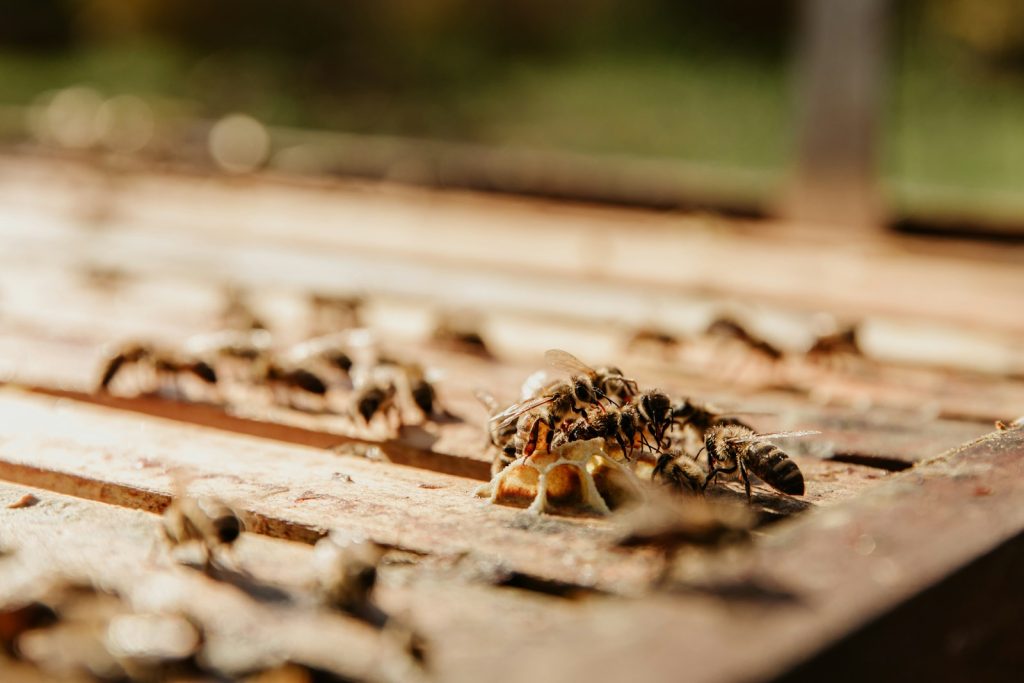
column 346, row 571
column 680, row 472
column 734, row 448
column 206, row 521
column 670, row 522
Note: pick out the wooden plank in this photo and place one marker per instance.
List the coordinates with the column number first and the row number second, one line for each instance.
column 781, row 599
column 828, row 573
column 48, row 349
column 655, row 265
column 286, row 491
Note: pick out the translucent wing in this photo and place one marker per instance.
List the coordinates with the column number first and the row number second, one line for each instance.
column 563, row 360
column 512, row 413
column 772, row 435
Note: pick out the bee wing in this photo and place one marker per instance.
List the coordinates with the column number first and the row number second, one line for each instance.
column 512, row 413
column 563, row 360
column 773, row 435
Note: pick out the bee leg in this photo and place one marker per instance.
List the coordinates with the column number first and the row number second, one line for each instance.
column 746, row 479
column 627, row 452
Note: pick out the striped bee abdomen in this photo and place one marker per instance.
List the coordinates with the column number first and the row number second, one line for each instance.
column 774, row 468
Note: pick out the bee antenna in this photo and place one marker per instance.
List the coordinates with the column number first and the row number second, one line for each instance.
column 601, row 394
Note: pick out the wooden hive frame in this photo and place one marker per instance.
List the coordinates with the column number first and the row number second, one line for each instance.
column 913, row 519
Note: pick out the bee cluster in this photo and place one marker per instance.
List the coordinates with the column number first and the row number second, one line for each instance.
column 594, row 441
column 341, row 372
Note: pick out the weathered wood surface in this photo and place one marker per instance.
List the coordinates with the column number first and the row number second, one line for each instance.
column 299, row 493
column 746, row 614
column 867, row 541
column 574, row 263
column 56, row 334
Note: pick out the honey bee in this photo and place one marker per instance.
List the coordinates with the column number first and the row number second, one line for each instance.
column 607, row 381
column 288, row 382
column 653, row 412
column 670, row 523
column 130, row 354
column 330, row 353
column 346, row 571
column 501, row 436
column 734, row 448
column 237, row 354
column 206, row 521
column 680, row 472
column 376, row 397
column 615, row 426
column 411, row 380
column 730, row 329
column 166, row 366
column 637, row 425
column 540, row 416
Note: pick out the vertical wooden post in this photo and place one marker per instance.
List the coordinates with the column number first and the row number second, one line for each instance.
column 839, row 89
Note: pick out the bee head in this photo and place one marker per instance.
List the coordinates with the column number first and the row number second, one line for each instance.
column 341, row 360
column 423, row 395
column 228, row 527
column 204, row 371
column 714, row 445
column 657, row 408
column 584, row 391
column 368, row 405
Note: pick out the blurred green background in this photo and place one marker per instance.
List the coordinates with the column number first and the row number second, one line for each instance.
column 705, row 83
